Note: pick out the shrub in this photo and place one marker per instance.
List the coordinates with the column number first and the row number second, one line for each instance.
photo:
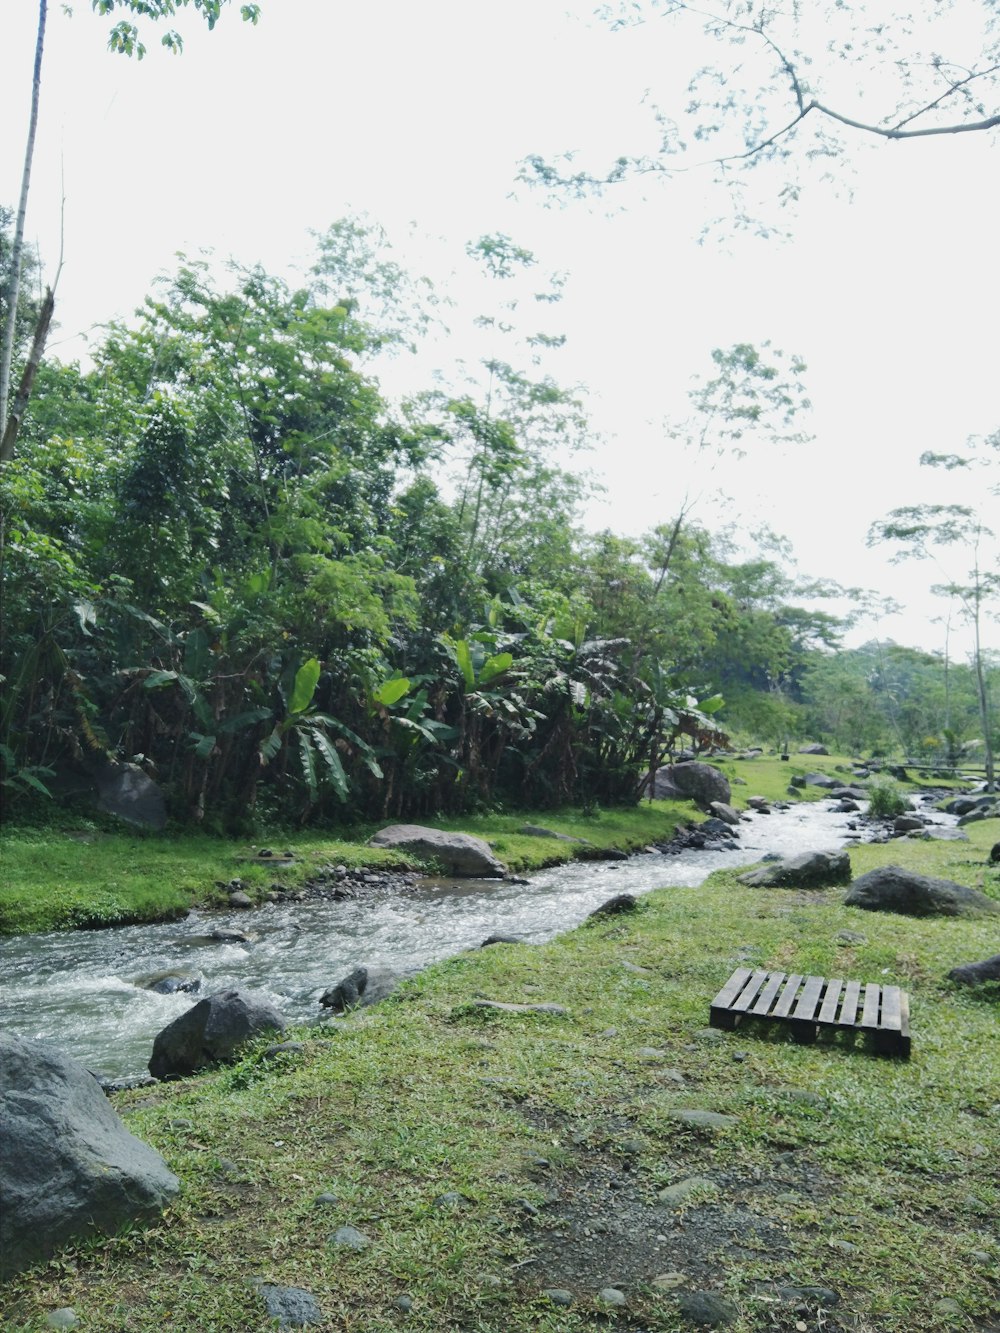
column 886, row 800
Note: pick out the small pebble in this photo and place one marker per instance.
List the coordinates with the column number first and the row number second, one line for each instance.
column 403, row 1303
column 668, row 1281
column 558, row 1295
column 350, row 1238
column 66, row 1317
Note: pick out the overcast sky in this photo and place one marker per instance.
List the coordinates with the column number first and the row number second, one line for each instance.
column 418, row 115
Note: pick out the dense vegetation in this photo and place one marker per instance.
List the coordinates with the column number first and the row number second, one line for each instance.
column 228, row 557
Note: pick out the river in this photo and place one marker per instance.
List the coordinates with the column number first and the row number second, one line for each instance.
column 78, row 989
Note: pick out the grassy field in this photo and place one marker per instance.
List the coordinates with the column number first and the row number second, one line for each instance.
column 490, row 1156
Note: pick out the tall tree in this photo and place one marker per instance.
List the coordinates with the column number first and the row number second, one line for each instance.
column 919, row 531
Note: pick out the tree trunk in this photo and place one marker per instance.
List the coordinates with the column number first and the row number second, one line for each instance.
column 16, row 414
column 7, row 338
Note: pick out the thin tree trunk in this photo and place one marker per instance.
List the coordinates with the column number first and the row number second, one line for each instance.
column 984, row 700
column 7, row 341
column 16, row 414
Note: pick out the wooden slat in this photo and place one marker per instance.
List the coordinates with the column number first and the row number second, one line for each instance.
column 732, row 988
column 764, row 1000
column 892, row 1018
column 787, row 997
column 808, row 1000
column 805, row 1002
column 748, row 994
column 869, row 1016
column 828, row 1011
column 849, row 1008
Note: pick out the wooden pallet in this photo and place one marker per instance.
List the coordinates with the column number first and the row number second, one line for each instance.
column 807, row 1004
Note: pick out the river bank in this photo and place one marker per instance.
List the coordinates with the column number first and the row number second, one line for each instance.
column 506, row 1169
column 91, row 873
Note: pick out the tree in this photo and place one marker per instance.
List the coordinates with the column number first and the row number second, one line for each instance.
column 921, row 530
column 125, row 38
column 792, row 85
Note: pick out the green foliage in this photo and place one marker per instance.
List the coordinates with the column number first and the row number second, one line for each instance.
column 125, row 36
column 885, row 799
column 313, row 632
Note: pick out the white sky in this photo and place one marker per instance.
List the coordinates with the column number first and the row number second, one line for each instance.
column 418, row 114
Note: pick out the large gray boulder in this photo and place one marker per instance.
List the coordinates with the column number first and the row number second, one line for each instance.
column 458, row 854
column 808, row 870
column 893, row 889
column 977, row 974
column 68, row 1166
column 126, row 791
column 212, row 1032
column 691, row 781
column 360, row 988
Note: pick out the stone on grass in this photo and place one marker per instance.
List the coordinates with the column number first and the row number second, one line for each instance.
column 705, row 1307
column 621, row 902
column 894, row 889
column 846, row 937
column 702, row 1119
column 500, row 939
column 977, row 974
column 537, row 831
column 676, row 1194
column 64, row 1317
column 293, row 1307
column 350, row 1238
column 558, row 1295
column 822, row 780
column 360, row 988
column 822, row 1296
column 503, row 1007
column 68, row 1166
column 458, row 854
column 808, row 870
column 611, row 1296
column 212, row 1032
column 669, row 1281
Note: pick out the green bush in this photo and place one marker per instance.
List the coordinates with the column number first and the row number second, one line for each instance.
column 886, row 800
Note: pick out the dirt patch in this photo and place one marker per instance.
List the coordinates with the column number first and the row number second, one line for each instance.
column 603, row 1224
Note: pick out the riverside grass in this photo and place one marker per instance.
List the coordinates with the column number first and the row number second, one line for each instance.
column 877, row 1177
column 101, row 873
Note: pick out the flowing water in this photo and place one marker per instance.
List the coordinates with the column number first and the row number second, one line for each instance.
column 79, row 989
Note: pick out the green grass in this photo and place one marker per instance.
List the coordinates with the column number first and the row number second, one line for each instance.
column 59, row 879
column 429, row 1094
